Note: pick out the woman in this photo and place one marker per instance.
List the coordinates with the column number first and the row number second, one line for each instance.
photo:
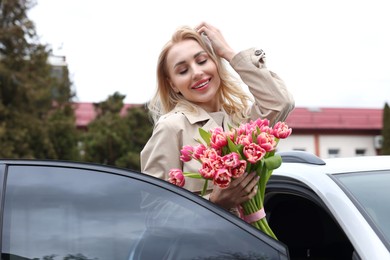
column 195, row 90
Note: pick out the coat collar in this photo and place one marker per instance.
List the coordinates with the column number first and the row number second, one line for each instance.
column 193, row 117
column 200, row 115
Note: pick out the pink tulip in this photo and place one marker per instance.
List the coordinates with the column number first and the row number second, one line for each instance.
column 281, row 130
column 231, row 134
column 176, row 177
column 231, row 160
column 266, row 141
column 254, row 152
column 239, row 170
column 207, row 171
column 249, row 128
column 241, row 130
column 199, row 150
column 218, row 138
column 222, row 178
column 186, row 153
column 267, row 129
column 244, row 139
column 211, row 154
column 218, row 163
column 260, row 123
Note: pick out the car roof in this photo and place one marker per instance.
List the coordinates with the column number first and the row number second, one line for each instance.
column 298, row 161
column 354, row 164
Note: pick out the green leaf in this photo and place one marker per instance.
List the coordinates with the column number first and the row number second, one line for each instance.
column 194, row 175
column 204, row 188
column 254, row 137
column 240, row 148
column 273, row 162
column 232, row 146
column 225, row 150
column 206, row 136
column 258, row 130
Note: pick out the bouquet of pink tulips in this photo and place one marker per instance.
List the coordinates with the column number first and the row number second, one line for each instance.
column 225, row 156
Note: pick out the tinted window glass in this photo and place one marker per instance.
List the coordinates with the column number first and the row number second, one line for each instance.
column 372, row 191
column 67, row 213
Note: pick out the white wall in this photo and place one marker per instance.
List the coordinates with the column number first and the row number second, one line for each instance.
column 297, row 142
column 346, row 145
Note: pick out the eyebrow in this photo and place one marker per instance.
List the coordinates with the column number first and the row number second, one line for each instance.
column 182, row 62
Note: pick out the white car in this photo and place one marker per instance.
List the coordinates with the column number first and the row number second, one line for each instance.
column 319, row 209
column 336, row 208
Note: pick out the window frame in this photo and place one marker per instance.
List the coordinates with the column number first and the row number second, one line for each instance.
column 285, row 186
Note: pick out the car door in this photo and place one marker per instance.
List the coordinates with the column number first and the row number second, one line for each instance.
column 301, row 220
column 60, row 210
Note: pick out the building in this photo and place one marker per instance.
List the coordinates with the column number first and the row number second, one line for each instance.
column 326, row 132
column 335, row 132
column 85, row 113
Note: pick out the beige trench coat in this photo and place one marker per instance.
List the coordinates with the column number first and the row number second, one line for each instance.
column 181, row 127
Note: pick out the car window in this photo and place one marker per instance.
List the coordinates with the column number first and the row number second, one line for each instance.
column 362, row 186
column 71, row 213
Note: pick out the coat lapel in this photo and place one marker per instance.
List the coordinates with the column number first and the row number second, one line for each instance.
column 201, row 117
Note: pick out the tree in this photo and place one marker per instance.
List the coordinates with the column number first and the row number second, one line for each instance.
column 114, row 138
column 140, row 129
column 386, row 131
column 31, row 98
column 106, row 138
column 78, row 257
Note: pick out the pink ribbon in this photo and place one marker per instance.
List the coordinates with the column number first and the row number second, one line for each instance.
column 255, row 216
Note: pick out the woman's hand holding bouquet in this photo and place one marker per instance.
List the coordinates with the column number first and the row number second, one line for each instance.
column 225, row 156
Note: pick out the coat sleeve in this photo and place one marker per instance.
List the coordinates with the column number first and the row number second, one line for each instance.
column 162, row 151
column 272, row 99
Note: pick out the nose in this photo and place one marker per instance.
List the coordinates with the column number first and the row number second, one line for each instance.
column 197, row 72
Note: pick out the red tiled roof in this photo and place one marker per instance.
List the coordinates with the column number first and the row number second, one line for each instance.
column 336, row 118
column 85, row 112
column 300, row 118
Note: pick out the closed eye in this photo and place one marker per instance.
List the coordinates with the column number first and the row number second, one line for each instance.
column 182, row 72
column 202, row 61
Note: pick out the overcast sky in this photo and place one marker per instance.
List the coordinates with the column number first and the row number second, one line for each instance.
column 330, row 53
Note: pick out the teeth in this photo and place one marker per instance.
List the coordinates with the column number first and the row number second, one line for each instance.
column 201, row 85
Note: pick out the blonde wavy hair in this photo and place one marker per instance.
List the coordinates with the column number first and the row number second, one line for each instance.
column 232, row 97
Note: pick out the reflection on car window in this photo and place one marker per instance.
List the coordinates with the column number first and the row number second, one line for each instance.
column 372, row 191
column 68, row 213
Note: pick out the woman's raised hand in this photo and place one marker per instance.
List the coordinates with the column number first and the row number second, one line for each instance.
column 220, row 46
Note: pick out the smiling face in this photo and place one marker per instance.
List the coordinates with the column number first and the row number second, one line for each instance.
column 194, row 74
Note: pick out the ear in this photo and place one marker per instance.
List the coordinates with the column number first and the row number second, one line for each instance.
column 173, row 86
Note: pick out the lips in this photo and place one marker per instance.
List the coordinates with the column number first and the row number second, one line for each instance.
column 200, row 84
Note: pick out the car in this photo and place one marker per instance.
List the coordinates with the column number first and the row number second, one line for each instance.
column 80, row 211
column 318, row 208
column 336, row 208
